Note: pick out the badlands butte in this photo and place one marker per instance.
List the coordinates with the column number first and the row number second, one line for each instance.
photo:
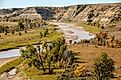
column 106, row 15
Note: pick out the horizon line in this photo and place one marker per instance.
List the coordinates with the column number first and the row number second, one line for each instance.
column 60, row 5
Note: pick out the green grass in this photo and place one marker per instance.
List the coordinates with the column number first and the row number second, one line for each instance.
column 91, row 29
column 31, row 37
column 33, row 73
column 11, row 64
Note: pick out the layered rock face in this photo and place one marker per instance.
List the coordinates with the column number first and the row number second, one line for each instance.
column 102, row 13
column 105, row 14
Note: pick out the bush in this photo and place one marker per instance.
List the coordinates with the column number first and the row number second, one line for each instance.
column 13, row 32
column 25, row 31
column 20, row 34
column 103, row 67
column 5, row 33
column 21, row 26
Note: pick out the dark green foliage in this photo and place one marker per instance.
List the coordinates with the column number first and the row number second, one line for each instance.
column 70, row 41
column 33, row 58
column 19, row 33
column 25, row 31
column 69, row 75
column 103, row 67
column 21, row 26
column 2, row 29
column 12, row 31
column 6, row 33
column 40, row 36
column 45, row 33
column 50, row 54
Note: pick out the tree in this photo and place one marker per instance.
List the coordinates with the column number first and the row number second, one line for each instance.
column 19, row 33
column 45, row 32
column 25, row 31
column 2, row 29
column 50, row 54
column 49, row 61
column 33, row 58
column 70, row 41
column 40, row 35
column 13, row 31
column 6, row 33
column 103, row 67
column 44, row 46
column 21, row 26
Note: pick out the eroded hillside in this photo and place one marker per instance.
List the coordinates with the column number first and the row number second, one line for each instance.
column 104, row 14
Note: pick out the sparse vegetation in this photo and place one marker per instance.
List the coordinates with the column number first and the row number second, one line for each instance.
column 21, row 38
column 103, row 67
column 90, row 28
column 53, row 58
column 10, row 65
column 45, row 62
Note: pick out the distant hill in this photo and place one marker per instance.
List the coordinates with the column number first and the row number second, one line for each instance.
column 104, row 14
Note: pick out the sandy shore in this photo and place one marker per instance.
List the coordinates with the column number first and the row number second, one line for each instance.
column 5, row 60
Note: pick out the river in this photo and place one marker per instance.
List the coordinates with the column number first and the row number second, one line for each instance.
column 70, row 32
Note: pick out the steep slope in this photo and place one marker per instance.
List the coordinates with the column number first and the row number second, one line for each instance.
column 7, row 12
column 103, row 13
column 72, row 12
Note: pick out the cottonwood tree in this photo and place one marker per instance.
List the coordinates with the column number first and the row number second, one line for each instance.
column 50, row 55
column 33, row 58
column 103, row 67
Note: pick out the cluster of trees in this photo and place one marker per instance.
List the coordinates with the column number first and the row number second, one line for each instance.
column 103, row 69
column 49, row 55
column 23, row 25
column 12, row 30
column 104, row 39
column 96, row 24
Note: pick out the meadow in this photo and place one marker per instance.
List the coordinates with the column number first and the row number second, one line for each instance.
column 10, row 40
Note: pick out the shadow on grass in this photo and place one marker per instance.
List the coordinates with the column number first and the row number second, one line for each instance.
column 80, row 62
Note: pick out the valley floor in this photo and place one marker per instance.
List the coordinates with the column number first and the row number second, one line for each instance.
column 87, row 53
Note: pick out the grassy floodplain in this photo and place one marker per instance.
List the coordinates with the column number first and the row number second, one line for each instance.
column 10, row 40
column 91, row 29
column 31, row 37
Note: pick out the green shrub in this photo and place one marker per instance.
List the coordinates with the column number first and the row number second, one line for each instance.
column 103, row 67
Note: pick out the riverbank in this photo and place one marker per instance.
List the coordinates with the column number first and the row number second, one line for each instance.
column 6, row 60
column 72, row 32
column 89, row 28
column 14, row 41
column 10, row 63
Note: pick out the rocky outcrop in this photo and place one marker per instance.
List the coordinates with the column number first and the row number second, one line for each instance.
column 102, row 13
